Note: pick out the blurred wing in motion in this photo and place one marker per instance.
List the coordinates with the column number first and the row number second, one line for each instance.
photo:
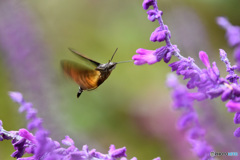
column 86, row 59
column 85, row 77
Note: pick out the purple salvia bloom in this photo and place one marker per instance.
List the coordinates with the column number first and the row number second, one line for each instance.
column 153, row 15
column 159, row 34
column 27, row 135
column 147, row 3
column 145, row 56
column 204, row 58
column 117, row 153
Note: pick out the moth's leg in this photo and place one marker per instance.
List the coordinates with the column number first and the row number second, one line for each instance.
column 79, row 92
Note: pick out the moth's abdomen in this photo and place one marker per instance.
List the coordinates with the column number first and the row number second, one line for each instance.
column 89, row 80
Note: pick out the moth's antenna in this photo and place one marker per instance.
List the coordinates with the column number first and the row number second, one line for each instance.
column 113, row 55
column 125, row 61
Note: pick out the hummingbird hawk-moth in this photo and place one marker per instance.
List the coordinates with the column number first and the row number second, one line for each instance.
column 86, row 77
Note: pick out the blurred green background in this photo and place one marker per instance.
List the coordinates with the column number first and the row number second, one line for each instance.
column 133, row 107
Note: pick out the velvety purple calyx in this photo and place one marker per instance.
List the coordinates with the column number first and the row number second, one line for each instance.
column 19, row 147
column 117, row 153
column 215, row 92
column 159, row 35
column 147, row 3
column 153, row 14
column 227, row 94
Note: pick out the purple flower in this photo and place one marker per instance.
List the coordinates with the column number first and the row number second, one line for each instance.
column 153, row 14
column 147, row 3
column 117, row 153
column 153, row 56
column 145, row 56
column 204, row 58
column 159, row 34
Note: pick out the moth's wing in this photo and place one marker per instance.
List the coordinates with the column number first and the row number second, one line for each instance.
column 85, row 77
column 86, row 59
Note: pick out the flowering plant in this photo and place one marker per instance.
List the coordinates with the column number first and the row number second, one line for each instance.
column 41, row 146
column 208, row 82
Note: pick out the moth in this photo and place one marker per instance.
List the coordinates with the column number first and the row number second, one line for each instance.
column 88, row 78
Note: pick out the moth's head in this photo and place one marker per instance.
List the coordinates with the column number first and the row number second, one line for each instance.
column 107, row 66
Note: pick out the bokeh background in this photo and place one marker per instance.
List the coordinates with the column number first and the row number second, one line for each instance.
column 133, row 107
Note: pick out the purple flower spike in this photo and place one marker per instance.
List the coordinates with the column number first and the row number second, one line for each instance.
column 147, row 3
column 195, row 133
